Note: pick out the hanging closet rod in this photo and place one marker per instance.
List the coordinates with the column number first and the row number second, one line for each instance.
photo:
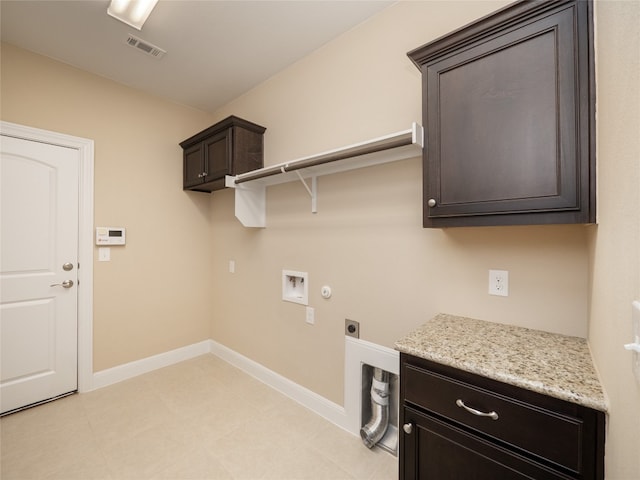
column 386, row 143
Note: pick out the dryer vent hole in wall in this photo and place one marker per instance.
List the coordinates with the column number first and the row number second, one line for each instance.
column 379, row 409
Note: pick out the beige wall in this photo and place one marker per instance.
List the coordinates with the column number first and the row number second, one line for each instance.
column 614, row 248
column 154, row 294
column 366, row 241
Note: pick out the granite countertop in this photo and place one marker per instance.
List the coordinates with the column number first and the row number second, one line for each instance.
column 556, row 365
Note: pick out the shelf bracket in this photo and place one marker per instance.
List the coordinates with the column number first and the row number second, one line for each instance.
column 313, row 191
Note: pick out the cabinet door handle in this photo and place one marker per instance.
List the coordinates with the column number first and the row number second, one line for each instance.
column 408, row 428
column 432, row 202
column 492, row 415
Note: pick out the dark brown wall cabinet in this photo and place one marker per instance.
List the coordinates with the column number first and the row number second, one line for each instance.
column 229, row 147
column 513, row 434
column 509, row 110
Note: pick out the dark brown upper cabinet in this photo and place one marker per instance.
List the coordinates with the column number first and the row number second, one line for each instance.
column 509, row 113
column 229, row 147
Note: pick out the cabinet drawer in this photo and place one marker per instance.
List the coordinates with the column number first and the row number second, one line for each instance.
column 444, row 451
column 550, row 436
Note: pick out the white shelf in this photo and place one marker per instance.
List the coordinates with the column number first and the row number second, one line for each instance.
column 250, row 187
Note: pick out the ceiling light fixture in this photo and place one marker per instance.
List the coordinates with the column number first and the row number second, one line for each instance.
column 131, row 12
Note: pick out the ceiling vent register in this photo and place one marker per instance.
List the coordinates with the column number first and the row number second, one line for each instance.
column 145, row 47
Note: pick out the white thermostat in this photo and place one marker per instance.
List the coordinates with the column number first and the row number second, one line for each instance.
column 110, row 236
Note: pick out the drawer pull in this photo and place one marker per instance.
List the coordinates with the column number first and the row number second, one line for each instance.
column 492, row 415
column 408, row 428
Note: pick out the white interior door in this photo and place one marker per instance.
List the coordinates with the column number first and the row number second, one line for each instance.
column 38, row 272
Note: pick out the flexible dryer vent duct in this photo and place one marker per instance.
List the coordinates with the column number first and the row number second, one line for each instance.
column 374, row 430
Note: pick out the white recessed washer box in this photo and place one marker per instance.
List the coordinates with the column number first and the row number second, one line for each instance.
column 295, row 287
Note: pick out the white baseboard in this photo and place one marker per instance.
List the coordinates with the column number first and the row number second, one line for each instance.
column 123, row 372
column 311, row 400
column 357, row 353
column 327, row 409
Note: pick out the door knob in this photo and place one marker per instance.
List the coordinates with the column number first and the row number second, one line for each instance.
column 65, row 284
column 432, row 202
column 67, row 266
column 408, row 428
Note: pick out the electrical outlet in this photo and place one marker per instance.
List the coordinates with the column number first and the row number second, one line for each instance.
column 352, row 328
column 499, row 283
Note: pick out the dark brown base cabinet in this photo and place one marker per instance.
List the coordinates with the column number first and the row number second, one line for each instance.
column 229, row 147
column 509, row 116
column 532, row 436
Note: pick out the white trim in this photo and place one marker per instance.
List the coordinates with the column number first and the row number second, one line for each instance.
column 129, row 370
column 85, row 272
column 325, row 408
column 85, row 150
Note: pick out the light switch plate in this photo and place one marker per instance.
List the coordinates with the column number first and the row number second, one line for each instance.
column 310, row 316
column 635, row 320
column 104, row 254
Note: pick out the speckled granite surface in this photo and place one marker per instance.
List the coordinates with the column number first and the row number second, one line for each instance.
column 556, row 365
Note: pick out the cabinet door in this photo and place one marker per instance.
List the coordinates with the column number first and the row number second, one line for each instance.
column 218, row 155
column 508, row 125
column 193, row 166
column 435, row 450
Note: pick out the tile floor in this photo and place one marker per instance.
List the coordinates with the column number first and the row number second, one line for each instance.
column 200, row 419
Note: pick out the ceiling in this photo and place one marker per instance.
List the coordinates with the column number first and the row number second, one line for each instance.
column 216, row 50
